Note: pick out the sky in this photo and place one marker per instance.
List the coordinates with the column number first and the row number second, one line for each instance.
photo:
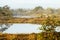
column 30, row 3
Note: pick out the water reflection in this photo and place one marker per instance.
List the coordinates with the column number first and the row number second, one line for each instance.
column 23, row 28
column 4, row 27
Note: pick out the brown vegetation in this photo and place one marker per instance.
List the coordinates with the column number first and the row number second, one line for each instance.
column 32, row 36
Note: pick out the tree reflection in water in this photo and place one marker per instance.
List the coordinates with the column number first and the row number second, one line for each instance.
column 4, row 27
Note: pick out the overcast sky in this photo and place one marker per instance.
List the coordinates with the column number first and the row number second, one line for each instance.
column 30, row 3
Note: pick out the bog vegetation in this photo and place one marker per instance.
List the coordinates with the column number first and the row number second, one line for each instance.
column 48, row 18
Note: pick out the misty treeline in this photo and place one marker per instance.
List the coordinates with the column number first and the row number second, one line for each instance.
column 37, row 12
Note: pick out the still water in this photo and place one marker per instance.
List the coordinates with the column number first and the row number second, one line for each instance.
column 23, row 28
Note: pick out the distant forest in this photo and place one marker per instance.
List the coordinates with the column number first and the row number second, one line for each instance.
column 36, row 12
